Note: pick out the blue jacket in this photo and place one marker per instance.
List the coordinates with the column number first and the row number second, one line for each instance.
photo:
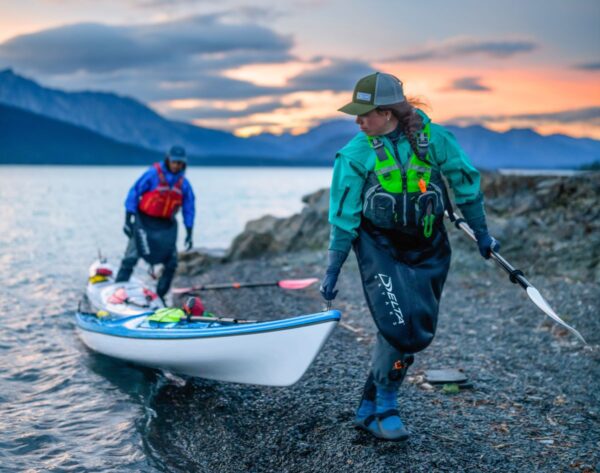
column 149, row 181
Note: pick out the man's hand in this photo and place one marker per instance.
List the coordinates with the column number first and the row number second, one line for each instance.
column 188, row 239
column 129, row 222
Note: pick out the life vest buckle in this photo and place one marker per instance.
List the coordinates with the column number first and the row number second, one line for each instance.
column 376, row 143
column 423, row 144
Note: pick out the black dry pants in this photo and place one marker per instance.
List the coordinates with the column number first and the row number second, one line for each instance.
column 403, row 278
column 130, row 260
column 155, row 240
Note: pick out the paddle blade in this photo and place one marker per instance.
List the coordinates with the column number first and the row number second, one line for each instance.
column 296, row 283
column 538, row 300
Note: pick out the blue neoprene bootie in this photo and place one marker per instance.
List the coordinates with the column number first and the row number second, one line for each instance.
column 389, row 424
column 365, row 414
column 365, row 409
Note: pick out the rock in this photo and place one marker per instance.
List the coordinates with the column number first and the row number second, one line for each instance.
column 195, row 262
column 253, row 242
column 308, row 229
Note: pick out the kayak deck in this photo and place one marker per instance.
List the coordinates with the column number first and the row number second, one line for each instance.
column 138, row 327
column 275, row 353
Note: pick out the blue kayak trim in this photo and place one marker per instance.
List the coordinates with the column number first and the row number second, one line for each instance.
column 117, row 327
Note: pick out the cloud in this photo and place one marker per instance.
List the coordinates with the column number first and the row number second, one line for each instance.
column 588, row 115
column 157, row 85
column 254, row 13
column 199, row 41
column 471, row 84
column 588, row 66
column 339, row 75
column 168, row 3
column 461, row 47
column 176, row 60
column 211, row 113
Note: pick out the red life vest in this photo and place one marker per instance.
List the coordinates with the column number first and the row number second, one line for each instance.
column 164, row 201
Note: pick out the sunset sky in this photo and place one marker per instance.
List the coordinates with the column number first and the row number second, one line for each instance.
column 251, row 67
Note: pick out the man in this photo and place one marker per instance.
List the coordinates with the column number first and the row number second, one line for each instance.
column 150, row 224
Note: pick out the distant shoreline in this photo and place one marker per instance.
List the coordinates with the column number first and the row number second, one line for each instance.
column 541, row 172
column 200, row 165
column 503, row 171
column 268, row 164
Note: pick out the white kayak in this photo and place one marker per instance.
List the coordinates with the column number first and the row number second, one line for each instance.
column 118, row 299
column 273, row 353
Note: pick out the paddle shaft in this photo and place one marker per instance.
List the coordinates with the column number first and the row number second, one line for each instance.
column 514, row 274
column 290, row 284
column 233, row 285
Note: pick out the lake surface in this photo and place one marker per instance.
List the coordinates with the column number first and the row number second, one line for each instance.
column 63, row 408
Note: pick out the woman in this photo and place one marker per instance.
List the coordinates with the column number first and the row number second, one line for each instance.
column 387, row 201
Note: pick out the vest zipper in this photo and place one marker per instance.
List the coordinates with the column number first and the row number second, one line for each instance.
column 405, row 193
column 466, row 176
column 404, row 181
column 344, row 195
column 441, row 194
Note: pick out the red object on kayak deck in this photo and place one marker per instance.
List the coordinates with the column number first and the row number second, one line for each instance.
column 150, row 295
column 104, row 271
column 118, row 297
column 193, row 306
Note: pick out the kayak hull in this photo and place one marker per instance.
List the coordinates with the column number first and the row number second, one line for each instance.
column 274, row 353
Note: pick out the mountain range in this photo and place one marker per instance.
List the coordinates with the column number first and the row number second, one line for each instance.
column 37, row 122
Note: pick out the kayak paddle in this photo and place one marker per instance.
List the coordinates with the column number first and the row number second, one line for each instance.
column 516, row 276
column 291, row 284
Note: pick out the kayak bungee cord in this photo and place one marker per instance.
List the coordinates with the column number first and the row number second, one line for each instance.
column 516, row 276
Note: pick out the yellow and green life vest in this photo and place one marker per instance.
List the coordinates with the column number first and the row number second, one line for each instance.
column 167, row 315
column 407, row 198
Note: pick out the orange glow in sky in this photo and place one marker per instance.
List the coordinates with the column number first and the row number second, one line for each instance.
column 512, row 92
column 519, row 86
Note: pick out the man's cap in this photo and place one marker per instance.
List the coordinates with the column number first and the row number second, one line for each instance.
column 373, row 91
column 177, row 153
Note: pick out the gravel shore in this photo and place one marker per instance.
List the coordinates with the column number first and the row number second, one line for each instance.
column 534, row 406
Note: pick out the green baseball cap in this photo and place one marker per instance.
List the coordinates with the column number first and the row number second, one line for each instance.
column 373, row 91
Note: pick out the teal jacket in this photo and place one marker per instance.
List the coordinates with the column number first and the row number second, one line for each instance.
column 355, row 160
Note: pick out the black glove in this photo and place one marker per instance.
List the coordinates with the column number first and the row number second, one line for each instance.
column 129, row 221
column 336, row 260
column 486, row 244
column 188, row 238
column 475, row 216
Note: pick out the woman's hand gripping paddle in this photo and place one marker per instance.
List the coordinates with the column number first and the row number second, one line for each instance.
column 516, row 276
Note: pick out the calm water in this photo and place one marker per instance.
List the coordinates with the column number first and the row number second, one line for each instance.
column 63, row 408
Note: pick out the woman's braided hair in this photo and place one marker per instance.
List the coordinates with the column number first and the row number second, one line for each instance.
column 410, row 121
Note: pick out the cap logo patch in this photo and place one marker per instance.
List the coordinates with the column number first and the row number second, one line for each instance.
column 363, row 96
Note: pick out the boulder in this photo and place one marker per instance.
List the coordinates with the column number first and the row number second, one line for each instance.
column 308, row 229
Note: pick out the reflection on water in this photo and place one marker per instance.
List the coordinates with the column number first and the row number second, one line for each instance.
column 61, row 406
